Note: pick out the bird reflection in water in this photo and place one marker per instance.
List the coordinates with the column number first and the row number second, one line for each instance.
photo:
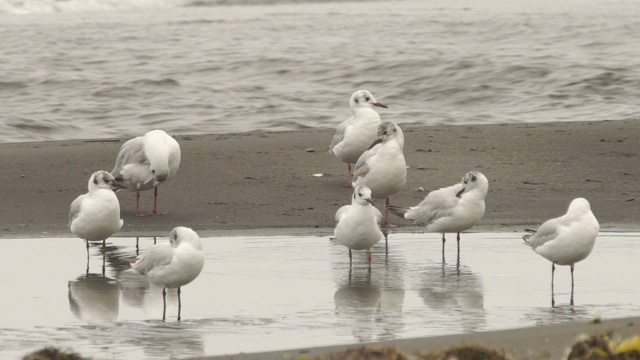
column 454, row 290
column 94, row 298
column 369, row 301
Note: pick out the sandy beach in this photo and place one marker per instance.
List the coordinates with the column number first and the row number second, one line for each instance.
column 265, row 182
column 270, row 183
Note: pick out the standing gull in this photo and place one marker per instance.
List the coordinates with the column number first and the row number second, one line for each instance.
column 95, row 216
column 383, row 167
column 173, row 264
column 567, row 239
column 354, row 135
column 358, row 224
column 451, row 209
column 145, row 162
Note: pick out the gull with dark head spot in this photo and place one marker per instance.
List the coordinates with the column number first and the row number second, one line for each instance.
column 567, row 239
column 383, row 168
column 173, row 264
column 358, row 224
column 145, row 162
column 95, row 216
column 454, row 208
column 354, row 135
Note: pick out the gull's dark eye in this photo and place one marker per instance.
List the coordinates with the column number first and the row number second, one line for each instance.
column 473, row 178
column 153, row 171
column 366, row 98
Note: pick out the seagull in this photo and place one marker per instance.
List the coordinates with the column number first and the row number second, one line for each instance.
column 358, row 224
column 454, row 208
column 354, row 135
column 383, row 167
column 173, row 264
column 145, row 162
column 95, row 216
column 567, row 239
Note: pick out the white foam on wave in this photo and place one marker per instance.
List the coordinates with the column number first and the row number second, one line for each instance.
column 78, row 6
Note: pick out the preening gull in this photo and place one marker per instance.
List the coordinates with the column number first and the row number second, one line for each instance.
column 567, row 239
column 145, row 162
column 454, row 208
column 173, row 264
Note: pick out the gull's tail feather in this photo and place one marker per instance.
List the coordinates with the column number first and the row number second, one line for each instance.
column 397, row 210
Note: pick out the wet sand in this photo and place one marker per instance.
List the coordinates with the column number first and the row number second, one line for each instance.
column 534, row 343
column 264, row 182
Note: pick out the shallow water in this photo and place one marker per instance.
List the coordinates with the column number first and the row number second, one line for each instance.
column 270, row 293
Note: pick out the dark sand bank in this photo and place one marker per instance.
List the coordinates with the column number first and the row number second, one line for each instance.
column 265, row 180
column 533, row 343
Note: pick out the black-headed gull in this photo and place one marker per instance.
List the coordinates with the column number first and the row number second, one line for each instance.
column 358, row 224
column 173, row 264
column 95, row 216
column 567, row 239
column 145, row 162
column 383, row 168
column 354, row 135
column 454, row 208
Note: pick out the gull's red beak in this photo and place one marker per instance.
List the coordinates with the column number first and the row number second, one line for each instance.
column 371, row 202
column 378, row 141
column 117, row 185
column 379, row 104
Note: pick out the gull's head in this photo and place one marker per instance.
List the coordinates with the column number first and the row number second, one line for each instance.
column 579, row 205
column 104, row 180
column 387, row 131
column 160, row 174
column 364, row 98
column 183, row 234
column 474, row 180
column 362, row 195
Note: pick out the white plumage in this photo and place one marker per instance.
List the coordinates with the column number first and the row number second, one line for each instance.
column 145, row 162
column 95, row 216
column 354, row 135
column 567, row 239
column 454, row 208
column 173, row 264
column 358, row 224
column 383, row 167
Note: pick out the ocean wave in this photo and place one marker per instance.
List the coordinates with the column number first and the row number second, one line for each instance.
column 76, row 6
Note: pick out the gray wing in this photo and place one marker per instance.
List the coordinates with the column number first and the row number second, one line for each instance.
column 436, row 205
column 131, row 152
column 339, row 136
column 362, row 166
column 547, row 232
column 156, row 256
column 377, row 214
column 74, row 209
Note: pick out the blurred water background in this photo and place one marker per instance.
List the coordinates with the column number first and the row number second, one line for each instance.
column 79, row 69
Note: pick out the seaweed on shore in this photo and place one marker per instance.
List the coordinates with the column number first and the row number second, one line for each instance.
column 605, row 346
column 52, row 353
column 373, row 353
column 466, row 352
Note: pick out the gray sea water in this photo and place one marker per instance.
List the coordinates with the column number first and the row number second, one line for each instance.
column 73, row 69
